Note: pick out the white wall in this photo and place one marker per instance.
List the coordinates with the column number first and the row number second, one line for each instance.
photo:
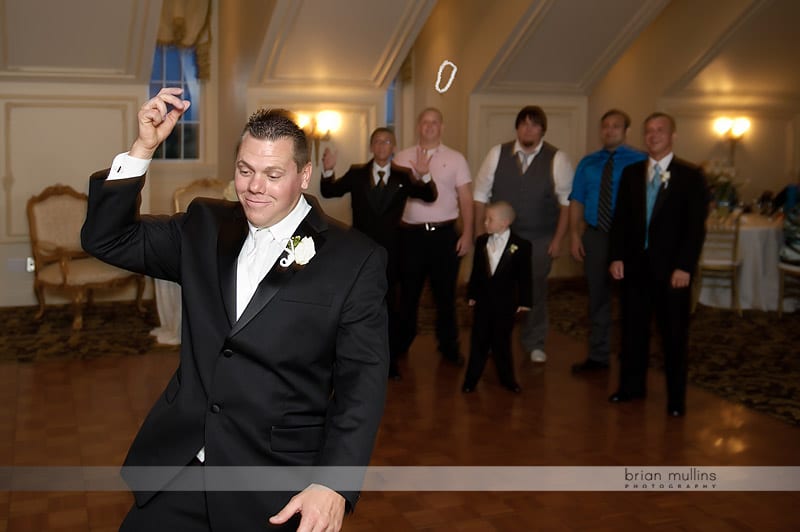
column 766, row 158
column 53, row 133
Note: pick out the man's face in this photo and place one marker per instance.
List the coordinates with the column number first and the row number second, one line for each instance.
column 382, row 147
column 529, row 133
column 612, row 132
column 430, row 127
column 495, row 222
column 267, row 180
column 658, row 136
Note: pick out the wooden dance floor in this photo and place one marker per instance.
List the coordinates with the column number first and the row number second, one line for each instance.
column 85, row 413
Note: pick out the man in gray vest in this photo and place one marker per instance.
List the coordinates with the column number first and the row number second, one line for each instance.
column 535, row 177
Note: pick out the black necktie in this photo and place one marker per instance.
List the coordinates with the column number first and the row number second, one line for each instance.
column 381, row 173
column 604, row 205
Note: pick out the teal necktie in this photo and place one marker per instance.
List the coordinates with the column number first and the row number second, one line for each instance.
column 652, row 193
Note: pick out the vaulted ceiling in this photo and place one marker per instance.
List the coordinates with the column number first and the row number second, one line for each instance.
column 555, row 46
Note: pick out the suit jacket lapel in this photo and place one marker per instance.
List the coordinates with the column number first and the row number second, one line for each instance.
column 313, row 225
column 505, row 257
column 662, row 194
column 231, row 237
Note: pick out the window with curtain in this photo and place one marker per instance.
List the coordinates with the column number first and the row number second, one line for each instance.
column 182, row 60
column 177, row 67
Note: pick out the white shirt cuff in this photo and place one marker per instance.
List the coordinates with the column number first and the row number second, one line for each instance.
column 125, row 166
column 426, row 178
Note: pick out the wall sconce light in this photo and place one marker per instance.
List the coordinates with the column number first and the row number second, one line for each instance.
column 319, row 127
column 732, row 129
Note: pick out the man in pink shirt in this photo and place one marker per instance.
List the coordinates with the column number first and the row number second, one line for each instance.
column 431, row 245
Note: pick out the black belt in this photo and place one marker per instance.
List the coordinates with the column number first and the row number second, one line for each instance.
column 430, row 226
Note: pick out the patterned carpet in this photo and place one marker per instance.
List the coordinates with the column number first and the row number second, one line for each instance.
column 109, row 329
column 753, row 360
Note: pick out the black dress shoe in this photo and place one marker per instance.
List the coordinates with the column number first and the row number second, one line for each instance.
column 513, row 388
column 457, row 361
column 467, row 389
column 624, row 397
column 589, row 365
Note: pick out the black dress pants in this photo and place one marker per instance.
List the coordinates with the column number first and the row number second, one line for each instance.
column 642, row 297
column 430, row 254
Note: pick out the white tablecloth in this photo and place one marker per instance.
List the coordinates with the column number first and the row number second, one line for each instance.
column 760, row 241
column 168, row 302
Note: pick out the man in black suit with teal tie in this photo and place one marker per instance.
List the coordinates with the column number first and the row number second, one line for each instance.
column 656, row 237
column 378, row 193
column 284, row 351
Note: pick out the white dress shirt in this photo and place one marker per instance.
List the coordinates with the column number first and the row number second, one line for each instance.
column 387, row 170
column 495, row 245
column 663, row 163
column 563, row 172
column 250, row 272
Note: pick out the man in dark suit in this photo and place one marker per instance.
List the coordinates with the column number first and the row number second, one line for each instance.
column 378, row 193
column 499, row 287
column 656, row 237
column 285, row 350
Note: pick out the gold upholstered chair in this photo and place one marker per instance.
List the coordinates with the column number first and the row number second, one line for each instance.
column 55, row 218
column 200, row 188
column 719, row 261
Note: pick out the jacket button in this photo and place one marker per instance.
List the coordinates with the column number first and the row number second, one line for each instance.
column 215, row 408
column 228, row 353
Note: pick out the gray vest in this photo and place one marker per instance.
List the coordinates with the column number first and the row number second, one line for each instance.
column 532, row 194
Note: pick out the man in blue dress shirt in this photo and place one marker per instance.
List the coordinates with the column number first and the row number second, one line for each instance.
column 591, row 207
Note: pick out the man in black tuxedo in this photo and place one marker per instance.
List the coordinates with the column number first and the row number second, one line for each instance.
column 285, row 350
column 378, row 193
column 656, row 237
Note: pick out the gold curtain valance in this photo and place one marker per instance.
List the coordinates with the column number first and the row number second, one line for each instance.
column 187, row 23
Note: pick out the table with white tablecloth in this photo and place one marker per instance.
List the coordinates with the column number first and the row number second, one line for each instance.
column 168, row 302
column 760, row 241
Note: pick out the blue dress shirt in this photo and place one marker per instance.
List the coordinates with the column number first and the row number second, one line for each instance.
column 586, row 184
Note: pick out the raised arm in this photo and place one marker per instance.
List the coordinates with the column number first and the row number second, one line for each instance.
column 156, row 121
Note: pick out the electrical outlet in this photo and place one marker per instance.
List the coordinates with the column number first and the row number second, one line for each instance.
column 30, row 266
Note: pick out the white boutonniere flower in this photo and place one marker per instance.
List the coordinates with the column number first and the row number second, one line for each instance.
column 665, row 179
column 299, row 250
column 513, row 248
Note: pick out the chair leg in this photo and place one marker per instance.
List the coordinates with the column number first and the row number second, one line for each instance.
column 139, row 294
column 735, row 293
column 39, row 291
column 780, row 292
column 77, row 302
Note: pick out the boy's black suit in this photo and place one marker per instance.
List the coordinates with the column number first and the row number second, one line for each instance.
column 497, row 298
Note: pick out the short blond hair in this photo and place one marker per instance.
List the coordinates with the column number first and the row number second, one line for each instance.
column 504, row 209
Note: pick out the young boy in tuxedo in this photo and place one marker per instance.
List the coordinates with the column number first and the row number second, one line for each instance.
column 499, row 288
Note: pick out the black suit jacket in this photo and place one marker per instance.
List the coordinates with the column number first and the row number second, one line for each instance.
column 378, row 215
column 299, row 379
column 510, row 286
column 677, row 224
